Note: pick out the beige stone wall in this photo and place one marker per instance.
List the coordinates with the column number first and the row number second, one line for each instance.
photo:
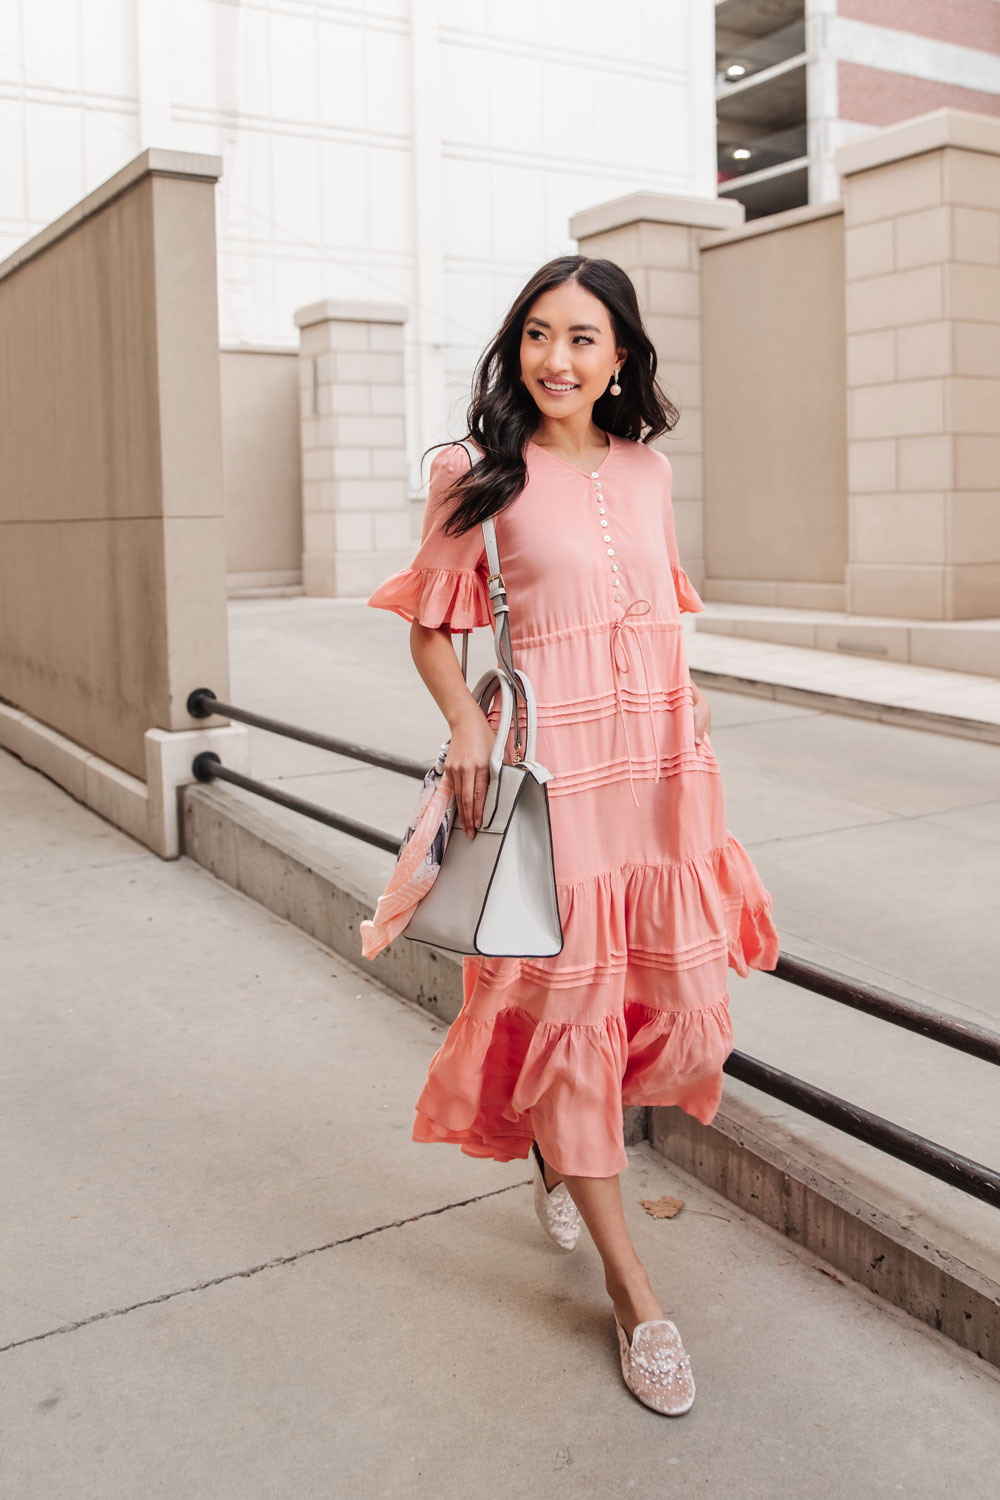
column 775, row 411
column 112, row 599
column 262, row 470
column 356, row 515
column 748, row 329
column 656, row 238
column 922, row 210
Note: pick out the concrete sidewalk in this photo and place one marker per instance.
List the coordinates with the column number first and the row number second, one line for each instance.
column 230, row 1274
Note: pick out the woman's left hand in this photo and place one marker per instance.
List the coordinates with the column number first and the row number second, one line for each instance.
column 702, row 715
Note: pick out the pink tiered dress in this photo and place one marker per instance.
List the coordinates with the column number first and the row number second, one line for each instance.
column 657, row 899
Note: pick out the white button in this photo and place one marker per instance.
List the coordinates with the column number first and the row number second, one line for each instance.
column 600, row 510
column 618, row 596
column 604, row 523
column 611, row 551
column 593, row 474
column 614, row 567
column 606, row 537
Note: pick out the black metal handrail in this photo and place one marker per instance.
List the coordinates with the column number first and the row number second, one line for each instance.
column 208, row 767
column 203, row 704
column 886, row 1005
column 965, row 1036
column 937, row 1161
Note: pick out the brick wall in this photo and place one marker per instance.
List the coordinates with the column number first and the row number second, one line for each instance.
column 870, row 96
column 965, row 23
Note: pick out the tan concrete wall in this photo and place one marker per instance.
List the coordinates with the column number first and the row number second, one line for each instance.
column 773, row 348
column 655, row 238
column 112, row 599
column 262, row 470
column 838, row 372
column 748, row 329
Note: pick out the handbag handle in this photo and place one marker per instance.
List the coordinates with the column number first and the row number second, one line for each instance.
column 484, row 692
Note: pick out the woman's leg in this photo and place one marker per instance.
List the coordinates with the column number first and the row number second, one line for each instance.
column 599, row 1200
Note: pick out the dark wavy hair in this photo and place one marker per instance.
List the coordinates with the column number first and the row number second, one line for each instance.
column 502, row 414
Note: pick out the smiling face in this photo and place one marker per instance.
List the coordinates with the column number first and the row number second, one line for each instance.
column 568, row 353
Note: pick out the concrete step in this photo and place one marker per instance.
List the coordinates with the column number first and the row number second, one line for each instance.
column 967, row 646
column 962, row 704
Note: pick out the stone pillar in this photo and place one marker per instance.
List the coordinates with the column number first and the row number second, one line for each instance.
column 356, row 526
column 112, row 558
column 656, row 239
column 922, row 225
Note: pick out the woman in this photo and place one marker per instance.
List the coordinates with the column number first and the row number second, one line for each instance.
column 657, row 899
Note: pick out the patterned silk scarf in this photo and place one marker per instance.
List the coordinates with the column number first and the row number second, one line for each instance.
column 418, row 861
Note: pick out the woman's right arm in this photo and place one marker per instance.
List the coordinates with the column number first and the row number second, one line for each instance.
column 444, row 589
column 472, row 736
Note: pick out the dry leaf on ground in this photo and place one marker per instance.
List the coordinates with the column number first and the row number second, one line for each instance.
column 663, row 1207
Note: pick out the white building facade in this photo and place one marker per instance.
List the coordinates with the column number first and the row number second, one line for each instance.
column 422, row 152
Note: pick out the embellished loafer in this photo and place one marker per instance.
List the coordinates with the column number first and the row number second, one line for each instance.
column 656, row 1366
column 557, row 1213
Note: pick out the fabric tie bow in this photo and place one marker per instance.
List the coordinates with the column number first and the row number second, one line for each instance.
column 621, row 662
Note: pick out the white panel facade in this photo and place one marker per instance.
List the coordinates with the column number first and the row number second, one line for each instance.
column 428, row 152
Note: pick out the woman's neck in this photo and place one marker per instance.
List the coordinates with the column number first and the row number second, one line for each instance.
column 577, row 437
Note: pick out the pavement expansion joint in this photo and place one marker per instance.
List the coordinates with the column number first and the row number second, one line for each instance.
column 264, row 1265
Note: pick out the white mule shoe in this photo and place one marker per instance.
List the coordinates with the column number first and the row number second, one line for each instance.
column 656, row 1366
column 557, row 1213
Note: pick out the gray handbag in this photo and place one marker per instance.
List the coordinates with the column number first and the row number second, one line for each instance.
column 496, row 894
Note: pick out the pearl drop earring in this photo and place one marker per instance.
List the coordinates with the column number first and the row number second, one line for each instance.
column 616, row 389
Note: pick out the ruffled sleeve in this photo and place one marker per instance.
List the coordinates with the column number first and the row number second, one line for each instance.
column 446, row 581
column 688, row 598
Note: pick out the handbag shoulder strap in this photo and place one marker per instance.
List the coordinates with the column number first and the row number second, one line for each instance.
column 489, row 533
column 501, row 609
